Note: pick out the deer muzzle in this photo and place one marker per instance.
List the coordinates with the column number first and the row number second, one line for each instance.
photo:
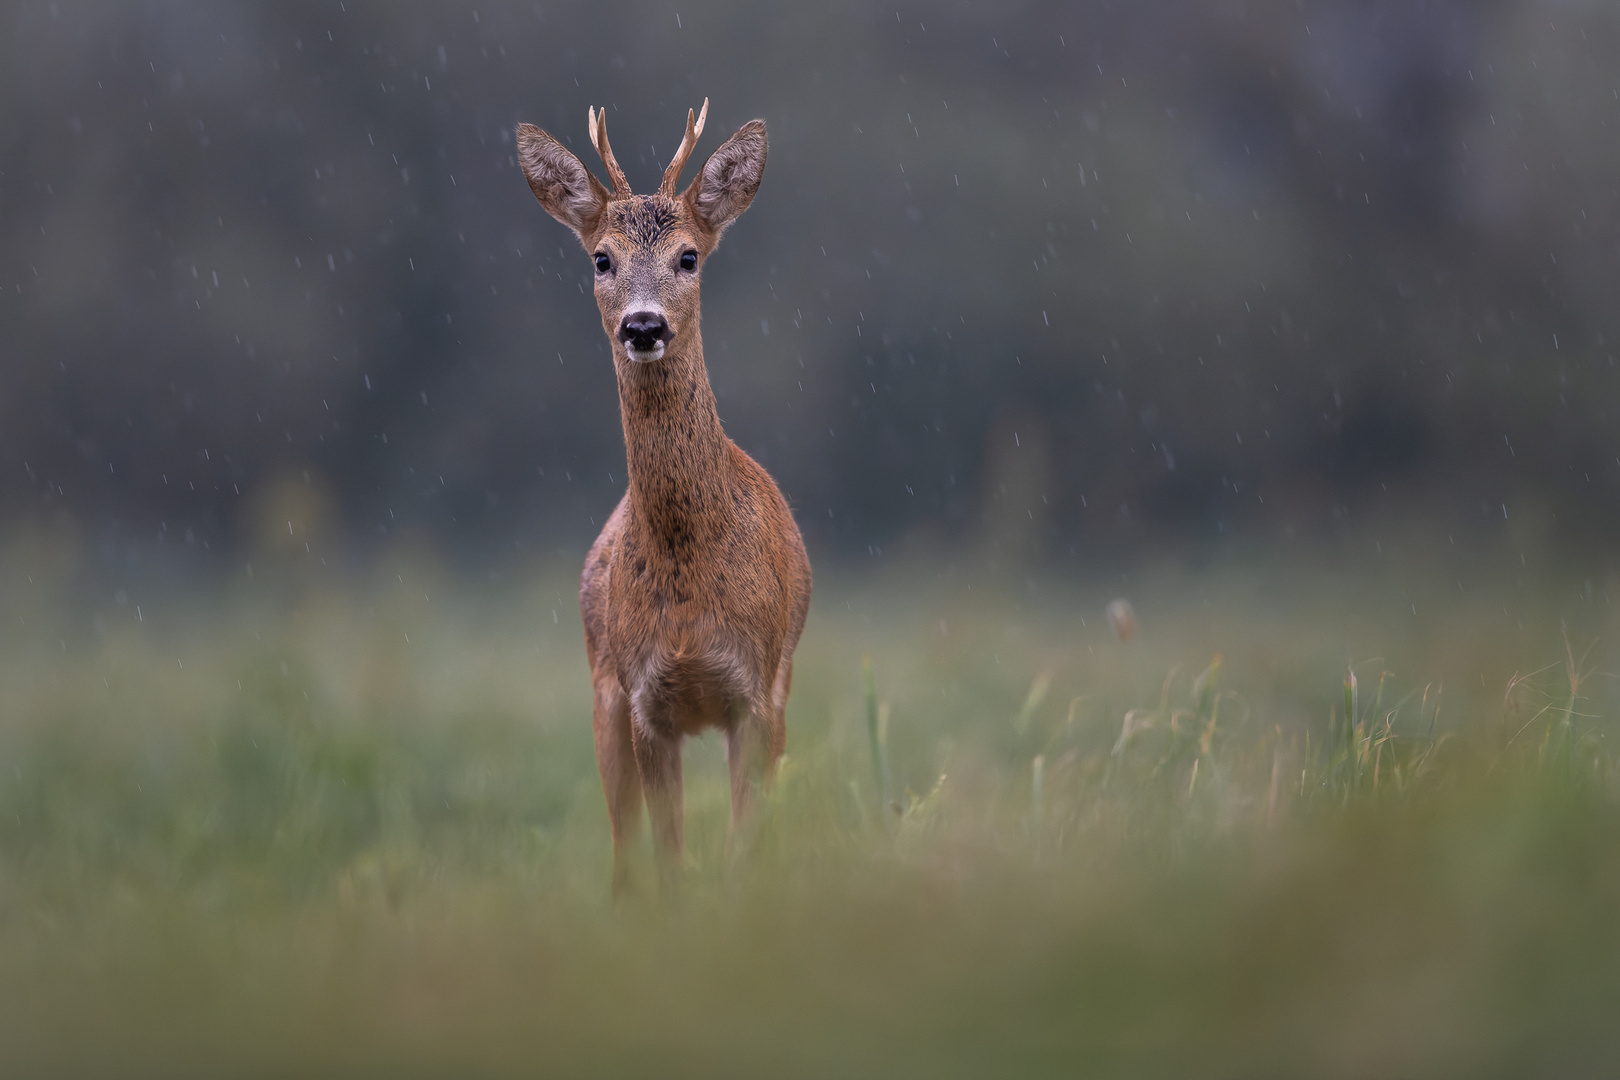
column 643, row 334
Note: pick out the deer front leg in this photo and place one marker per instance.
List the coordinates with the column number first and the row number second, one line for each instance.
column 658, row 760
column 621, row 775
column 753, row 745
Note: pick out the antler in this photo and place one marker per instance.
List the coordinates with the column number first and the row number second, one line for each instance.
column 673, row 173
column 598, row 129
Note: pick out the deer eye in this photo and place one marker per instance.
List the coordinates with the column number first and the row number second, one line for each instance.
column 603, row 263
column 688, row 260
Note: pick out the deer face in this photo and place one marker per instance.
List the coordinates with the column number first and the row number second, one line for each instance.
column 646, row 250
column 647, row 255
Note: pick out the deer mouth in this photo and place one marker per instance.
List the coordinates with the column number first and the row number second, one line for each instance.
column 645, row 356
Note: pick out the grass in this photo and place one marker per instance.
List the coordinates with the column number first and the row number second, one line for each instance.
column 1291, row 829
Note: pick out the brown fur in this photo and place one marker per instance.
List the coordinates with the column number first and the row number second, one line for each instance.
column 695, row 592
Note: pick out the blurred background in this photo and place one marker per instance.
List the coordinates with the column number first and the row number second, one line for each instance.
column 1291, row 322
column 1043, row 284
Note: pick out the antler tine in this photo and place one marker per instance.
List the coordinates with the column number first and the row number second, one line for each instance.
column 599, row 138
column 672, row 174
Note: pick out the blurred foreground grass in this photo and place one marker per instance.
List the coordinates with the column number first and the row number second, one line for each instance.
column 301, row 830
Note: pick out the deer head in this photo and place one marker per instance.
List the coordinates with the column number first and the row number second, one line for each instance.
column 648, row 250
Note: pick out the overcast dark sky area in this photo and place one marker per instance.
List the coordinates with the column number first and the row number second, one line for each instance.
column 1071, row 281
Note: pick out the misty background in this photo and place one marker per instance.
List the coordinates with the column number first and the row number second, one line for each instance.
column 1050, row 283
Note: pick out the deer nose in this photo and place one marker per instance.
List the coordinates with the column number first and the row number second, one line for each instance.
column 643, row 331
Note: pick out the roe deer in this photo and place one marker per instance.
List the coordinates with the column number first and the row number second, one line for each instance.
column 696, row 591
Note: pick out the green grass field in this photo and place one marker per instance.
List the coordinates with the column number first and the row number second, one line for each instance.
column 300, row 829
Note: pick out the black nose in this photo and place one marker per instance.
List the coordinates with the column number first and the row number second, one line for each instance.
column 643, row 330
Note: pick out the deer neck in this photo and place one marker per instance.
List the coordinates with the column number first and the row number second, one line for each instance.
column 675, row 448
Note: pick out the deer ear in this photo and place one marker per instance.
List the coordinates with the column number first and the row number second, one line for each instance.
column 560, row 181
column 729, row 179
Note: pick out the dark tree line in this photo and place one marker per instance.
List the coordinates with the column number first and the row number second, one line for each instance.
column 1058, row 277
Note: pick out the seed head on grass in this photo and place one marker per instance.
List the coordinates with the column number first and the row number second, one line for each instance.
column 1122, row 619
